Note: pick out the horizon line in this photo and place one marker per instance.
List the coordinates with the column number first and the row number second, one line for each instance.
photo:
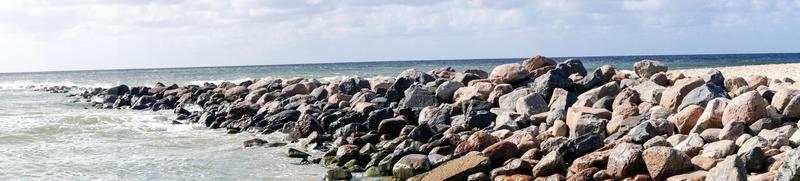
column 367, row 61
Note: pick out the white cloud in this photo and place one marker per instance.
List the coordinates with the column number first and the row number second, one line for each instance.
column 87, row 34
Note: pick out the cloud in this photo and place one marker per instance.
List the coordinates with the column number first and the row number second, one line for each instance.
column 88, row 34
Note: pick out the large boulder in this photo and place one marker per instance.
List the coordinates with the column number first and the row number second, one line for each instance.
column 411, row 165
column 509, row 73
column 732, row 168
column 672, row 96
column 575, row 113
column 590, row 97
column 715, row 77
column 508, row 101
column 626, row 160
column 418, row 97
column 580, row 146
column 446, row 90
column 663, row 162
column 550, row 164
column 459, row 168
column 304, row 126
column 686, row 119
column 647, row 68
column 501, row 151
column 549, row 81
column 476, row 142
column 702, row 95
column 792, row 110
column 235, row 93
column 649, row 91
column 747, row 107
column 534, row 63
column 531, row 104
column 782, row 97
column 790, row 169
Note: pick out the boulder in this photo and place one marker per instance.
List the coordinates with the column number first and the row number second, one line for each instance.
column 757, row 80
column 663, row 162
column 459, row 168
column 642, row 132
column 338, row 174
column 588, row 124
column 792, row 110
column 550, row 164
column 686, row 119
column 754, row 159
column 626, row 160
column 732, row 168
column 304, row 126
column 660, row 78
column 501, row 151
column 594, row 159
column 715, row 77
column 647, row 68
column 509, row 73
column 747, row 107
column 411, row 165
column 734, row 83
column 672, row 97
column 235, row 93
column 575, row 113
column 732, row 130
column 580, row 146
column 702, row 95
column 782, row 97
column 650, row 91
column 699, row 175
column 712, row 114
column 790, row 169
column 531, row 104
column 391, row 126
column 546, row 83
column 417, row 97
column 476, row 142
column 446, row 90
column 719, row 149
column 588, row 98
column 508, row 101
column 537, row 62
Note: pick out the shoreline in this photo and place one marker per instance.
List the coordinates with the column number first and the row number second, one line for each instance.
column 536, row 119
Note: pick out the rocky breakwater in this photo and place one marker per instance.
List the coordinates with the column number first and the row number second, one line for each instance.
column 533, row 120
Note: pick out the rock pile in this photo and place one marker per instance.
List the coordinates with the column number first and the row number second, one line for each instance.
column 534, row 120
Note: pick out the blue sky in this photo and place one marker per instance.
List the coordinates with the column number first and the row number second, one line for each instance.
column 38, row 35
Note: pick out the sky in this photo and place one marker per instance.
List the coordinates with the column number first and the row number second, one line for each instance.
column 41, row 35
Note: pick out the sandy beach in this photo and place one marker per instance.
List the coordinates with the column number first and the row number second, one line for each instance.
column 774, row 71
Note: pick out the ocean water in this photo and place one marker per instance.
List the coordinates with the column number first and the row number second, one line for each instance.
column 46, row 137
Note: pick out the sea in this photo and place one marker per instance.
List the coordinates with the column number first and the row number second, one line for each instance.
column 46, row 136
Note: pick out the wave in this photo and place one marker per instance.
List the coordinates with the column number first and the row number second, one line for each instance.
column 27, row 84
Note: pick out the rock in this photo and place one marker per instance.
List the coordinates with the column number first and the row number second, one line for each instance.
column 509, row 73
column 686, row 119
column 732, row 130
column 714, row 76
column 254, row 142
column 792, row 110
column 476, row 142
column 501, row 151
column 459, row 168
column 417, row 97
column 524, row 140
column 588, row 98
column 719, row 149
column 295, row 89
column 550, row 164
column 732, row 168
column 591, row 80
column 676, row 139
column 755, row 141
column 537, row 62
column 517, row 166
column 753, row 159
column 531, row 104
column 411, row 165
column 642, row 133
column 588, row 124
column 701, row 162
column 508, row 101
column 672, row 97
column 118, row 90
column 782, row 97
column 626, row 160
column 709, row 135
column 580, row 146
column 656, row 141
column 391, row 126
column 712, row 115
column 699, row 175
column 691, row 145
column 446, row 90
column 546, row 83
column 748, row 107
column 235, row 93
column 790, row 169
column 650, row 91
column 304, row 126
column 480, row 176
column 757, row 80
column 576, row 113
column 702, row 95
column 663, row 162
column 338, row 174
column 594, row 159
column 480, row 119
column 294, row 153
column 465, row 78
column 647, row 68
column 764, row 123
column 660, row 78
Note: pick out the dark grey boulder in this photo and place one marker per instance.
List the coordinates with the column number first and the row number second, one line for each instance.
column 642, row 132
column 418, row 97
column 446, row 90
column 581, row 145
column 702, row 95
column 715, row 77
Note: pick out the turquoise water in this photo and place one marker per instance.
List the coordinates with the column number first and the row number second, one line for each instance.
column 46, row 137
